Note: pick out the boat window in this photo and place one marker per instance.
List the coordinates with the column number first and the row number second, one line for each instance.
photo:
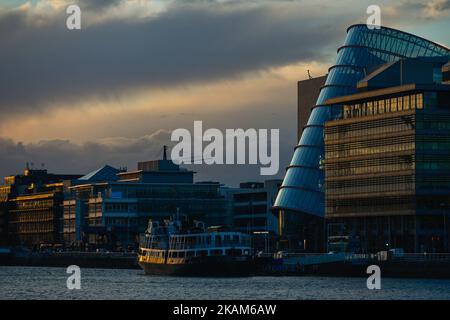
column 208, row 239
column 227, row 237
column 181, row 254
column 236, row 238
column 190, row 254
column 218, row 239
column 202, row 253
column 216, row 252
column 233, row 252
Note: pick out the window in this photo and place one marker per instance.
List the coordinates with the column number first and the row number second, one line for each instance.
column 406, row 103
column 381, row 106
column 419, row 101
column 387, row 106
column 394, row 105
column 369, row 108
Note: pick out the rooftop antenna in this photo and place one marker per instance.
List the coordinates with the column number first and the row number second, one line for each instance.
column 309, row 75
column 165, row 152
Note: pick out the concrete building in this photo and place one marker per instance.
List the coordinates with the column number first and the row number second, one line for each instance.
column 387, row 159
column 307, row 93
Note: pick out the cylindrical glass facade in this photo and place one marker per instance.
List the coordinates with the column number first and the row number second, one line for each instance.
column 363, row 50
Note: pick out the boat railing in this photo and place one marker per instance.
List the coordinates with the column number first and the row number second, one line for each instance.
column 194, row 245
column 421, row 257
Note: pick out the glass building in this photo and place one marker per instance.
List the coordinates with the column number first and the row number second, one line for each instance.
column 300, row 203
column 387, row 161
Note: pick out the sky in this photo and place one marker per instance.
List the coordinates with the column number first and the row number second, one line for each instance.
column 112, row 92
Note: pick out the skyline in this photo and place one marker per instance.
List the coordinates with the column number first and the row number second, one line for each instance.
column 80, row 100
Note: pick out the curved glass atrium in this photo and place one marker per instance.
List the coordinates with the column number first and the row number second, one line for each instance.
column 363, row 50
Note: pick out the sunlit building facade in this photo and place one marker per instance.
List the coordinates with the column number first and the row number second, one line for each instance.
column 387, row 159
column 300, row 203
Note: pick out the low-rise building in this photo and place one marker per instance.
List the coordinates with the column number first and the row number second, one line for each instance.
column 31, row 206
column 115, row 213
column 251, row 205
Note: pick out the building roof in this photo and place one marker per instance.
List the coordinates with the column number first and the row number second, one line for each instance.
column 105, row 173
column 377, row 71
column 386, row 91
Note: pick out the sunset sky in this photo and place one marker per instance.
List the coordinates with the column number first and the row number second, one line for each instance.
column 112, row 92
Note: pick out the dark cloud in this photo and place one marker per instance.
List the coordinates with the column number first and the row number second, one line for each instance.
column 64, row 156
column 45, row 64
column 96, row 5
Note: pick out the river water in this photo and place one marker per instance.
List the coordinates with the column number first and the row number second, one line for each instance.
column 50, row 283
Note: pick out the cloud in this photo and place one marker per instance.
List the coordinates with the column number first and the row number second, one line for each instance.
column 64, row 156
column 43, row 64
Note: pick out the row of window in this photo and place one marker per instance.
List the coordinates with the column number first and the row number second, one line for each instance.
column 371, row 150
column 368, row 128
column 381, row 106
column 32, row 217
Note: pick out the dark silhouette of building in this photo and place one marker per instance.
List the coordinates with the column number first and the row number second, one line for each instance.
column 387, row 159
column 251, row 211
column 307, row 93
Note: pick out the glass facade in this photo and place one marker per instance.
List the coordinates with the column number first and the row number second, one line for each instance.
column 364, row 49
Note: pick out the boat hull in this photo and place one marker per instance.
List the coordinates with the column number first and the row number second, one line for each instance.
column 208, row 267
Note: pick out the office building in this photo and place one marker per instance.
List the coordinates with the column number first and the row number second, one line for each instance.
column 114, row 213
column 251, row 212
column 33, row 206
column 301, row 201
column 387, row 159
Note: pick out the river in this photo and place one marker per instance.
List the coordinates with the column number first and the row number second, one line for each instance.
column 50, row 283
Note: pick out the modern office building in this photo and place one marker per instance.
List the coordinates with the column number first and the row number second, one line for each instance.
column 4, row 208
column 251, row 205
column 307, row 93
column 32, row 204
column 76, row 207
column 115, row 213
column 300, row 203
column 387, row 159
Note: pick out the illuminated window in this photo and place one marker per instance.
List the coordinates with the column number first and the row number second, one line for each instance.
column 399, row 104
column 419, row 101
column 387, row 106
column 381, row 106
column 413, row 102
column 406, row 103
column 369, row 108
column 394, row 105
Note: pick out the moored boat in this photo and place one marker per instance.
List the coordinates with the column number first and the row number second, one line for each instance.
column 169, row 248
